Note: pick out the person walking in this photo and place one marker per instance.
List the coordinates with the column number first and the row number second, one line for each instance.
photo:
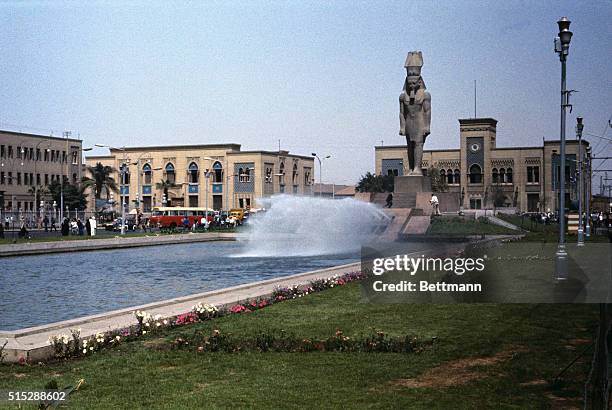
column 88, row 227
column 65, row 226
column 389, row 200
column 80, row 227
column 46, row 223
column 53, row 227
column 435, row 204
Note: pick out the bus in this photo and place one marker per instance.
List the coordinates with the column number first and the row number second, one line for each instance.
column 171, row 217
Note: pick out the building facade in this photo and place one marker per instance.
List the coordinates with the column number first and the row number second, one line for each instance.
column 30, row 162
column 217, row 176
column 486, row 176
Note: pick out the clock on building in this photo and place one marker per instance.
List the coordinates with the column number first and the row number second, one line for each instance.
column 474, row 147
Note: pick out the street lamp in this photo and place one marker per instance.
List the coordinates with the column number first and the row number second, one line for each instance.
column 320, row 170
column 588, row 193
column 579, row 128
column 562, row 43
column 36, row 176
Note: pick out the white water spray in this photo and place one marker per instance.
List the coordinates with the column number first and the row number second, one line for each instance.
column 307, row 226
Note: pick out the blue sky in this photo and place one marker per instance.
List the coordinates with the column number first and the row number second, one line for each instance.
column 319, row 76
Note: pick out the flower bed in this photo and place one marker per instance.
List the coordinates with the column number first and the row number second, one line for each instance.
column 73, row 346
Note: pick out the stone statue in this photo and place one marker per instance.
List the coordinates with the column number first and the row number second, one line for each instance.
column 415, row 111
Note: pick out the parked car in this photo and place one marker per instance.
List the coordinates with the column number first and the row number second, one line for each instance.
column 130, row 224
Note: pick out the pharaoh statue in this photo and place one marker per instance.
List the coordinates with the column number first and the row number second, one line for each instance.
column 415, row 111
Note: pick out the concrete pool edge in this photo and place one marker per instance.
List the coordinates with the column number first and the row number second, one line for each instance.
column 31, row 343
column 118, row 242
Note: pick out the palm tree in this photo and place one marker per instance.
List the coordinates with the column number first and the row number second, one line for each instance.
column 165, row 185
column 101, row 178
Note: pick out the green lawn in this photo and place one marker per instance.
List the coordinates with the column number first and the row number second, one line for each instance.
column 457, row 225
column 485, row 356
column 539, row 232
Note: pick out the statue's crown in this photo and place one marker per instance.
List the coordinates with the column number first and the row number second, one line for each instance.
column 414, row 59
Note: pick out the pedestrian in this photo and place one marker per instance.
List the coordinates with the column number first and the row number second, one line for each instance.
column 53, row 227
column 74, row 227
column 46, row 223
column 1, row 230
column 435, row 204
column 80, row 227
column 88, row 227
column 389, row 200
column 65, row 227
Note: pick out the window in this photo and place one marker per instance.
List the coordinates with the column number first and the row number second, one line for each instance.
column 495, row 175
column 193, row 173
column 74, row 178
column 218, row 172
column 509, row 175
column 25, row 178
column 295, row 175
column 46, row 155
column 37, row 154
column 10, row 151
column 457, row 177
column 2, row 151
column 442, row 175
column 449, row 177
column 170, row 174
column 19, row 178
column 475, row 174
column 10, row 178
column 282, row 176
column 37, row 179
column 46, row 179
column 19, row 152
column 306, row 176
column 75, row 158
column 64, row 157
column 2, row 178
column 146, row 171
column 125, row 175
column 533, row 175
column 268, row 177
column 502, row 175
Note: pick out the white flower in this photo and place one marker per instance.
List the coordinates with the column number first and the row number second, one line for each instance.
column 144, row 332
column 147, row 324
column 84, row 351
column 165, row 322
column 158, row 324
column 117, row 338
column 85, row 342
column 91, row 348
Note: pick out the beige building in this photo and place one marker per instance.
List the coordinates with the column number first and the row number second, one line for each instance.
column 218, row 175
column 481, row 173
column 30, row 160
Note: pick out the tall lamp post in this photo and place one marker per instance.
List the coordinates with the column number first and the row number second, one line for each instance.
column 314, row 154
column 579, row 128
column 562, row 43
column 36, row 176
column 588, row 194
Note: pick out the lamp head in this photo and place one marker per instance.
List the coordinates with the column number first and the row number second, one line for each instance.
column 565, row 35
column 314, row 154
column 579, row 125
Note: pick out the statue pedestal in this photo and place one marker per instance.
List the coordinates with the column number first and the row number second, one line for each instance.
column 412, row 184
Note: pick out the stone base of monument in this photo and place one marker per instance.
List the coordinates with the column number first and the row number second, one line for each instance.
column 412, row 183
column 406, row 189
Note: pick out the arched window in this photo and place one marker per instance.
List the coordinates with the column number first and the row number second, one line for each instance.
column 457, row 177
column 442, row 174
column 282, row 173
column 295, row 174
column 502, row 175
column 170, row 174
column 241, row 175
column 475, row 174
column 193, row 173
column 218, row 169
column 495, row 175
column 146, row 172
column 247, row 175
column 449, row 176
column 125, row 178
column 509, row 175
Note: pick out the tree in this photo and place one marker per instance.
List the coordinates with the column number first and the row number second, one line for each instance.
column 438, row 182
column 375, row 183
column 100, row 179
column 499, row 198
column 165, row 185
column 74, row 195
